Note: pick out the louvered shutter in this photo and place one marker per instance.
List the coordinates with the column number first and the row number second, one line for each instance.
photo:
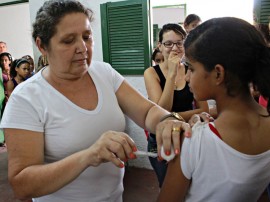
column 262, row 11
column 125, row 35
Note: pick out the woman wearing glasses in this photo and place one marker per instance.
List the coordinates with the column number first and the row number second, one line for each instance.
column 166, row 85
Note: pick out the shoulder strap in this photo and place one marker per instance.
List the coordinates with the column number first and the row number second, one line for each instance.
column 160, row 75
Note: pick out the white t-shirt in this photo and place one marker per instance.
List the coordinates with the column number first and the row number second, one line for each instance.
column 219, row 172
column 35, row 105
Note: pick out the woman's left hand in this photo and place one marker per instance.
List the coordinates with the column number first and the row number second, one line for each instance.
column 168, row 135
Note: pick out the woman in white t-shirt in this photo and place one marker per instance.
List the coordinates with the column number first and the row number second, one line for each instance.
column 228, row 159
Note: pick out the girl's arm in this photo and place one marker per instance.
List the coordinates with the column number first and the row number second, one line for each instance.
column 10, row 87
column 152, row 83
column 175, row 185
column 201, row 106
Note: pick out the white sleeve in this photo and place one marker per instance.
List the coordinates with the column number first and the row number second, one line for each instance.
column 108, row 75
column 190, row 151
column 117, row 78
column 21, row 113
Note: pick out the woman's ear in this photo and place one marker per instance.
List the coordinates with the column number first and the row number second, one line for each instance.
column 158, row 46
column 219, row 74
column 40, row 46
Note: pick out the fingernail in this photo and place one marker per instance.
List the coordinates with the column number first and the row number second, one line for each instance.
column 121, row 165
column 134, row 149
column 168, row 152
column 187, row 134
column 176, row 151
column 132, row 156
column 159, row 158
column 125, row 160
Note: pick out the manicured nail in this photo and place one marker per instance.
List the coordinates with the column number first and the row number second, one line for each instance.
column 159, row 158
column 168, row 153
column 121, row 165
column 134, row 149
column 132, row 156
column 187, row 134
column 176, row 151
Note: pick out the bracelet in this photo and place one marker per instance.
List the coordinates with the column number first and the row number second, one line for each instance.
column 174, row 115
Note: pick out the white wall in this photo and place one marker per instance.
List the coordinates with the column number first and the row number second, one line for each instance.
column 16, row 29
column 173, row 15
column 214, row 8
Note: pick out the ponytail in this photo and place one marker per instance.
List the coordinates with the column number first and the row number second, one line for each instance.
column 262, row 73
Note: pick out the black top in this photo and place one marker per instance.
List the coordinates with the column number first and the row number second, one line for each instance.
column 14, row 82
column 182, row 99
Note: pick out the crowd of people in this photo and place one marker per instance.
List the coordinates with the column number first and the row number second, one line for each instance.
column 78, row 127
column 13, row 72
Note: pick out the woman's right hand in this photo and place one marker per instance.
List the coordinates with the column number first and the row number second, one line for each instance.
column 173, row 64
column 116, row 147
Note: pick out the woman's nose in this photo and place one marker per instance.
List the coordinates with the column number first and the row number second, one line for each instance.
column 81, row 47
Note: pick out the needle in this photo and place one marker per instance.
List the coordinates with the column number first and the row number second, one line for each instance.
column 144, row 153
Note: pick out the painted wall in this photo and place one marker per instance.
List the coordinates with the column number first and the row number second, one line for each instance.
column 173, row 15
column 16, row 29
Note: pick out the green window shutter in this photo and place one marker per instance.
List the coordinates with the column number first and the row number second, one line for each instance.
column 262, row 11
column 126, row 35
column 156, row 33
column 13, row 2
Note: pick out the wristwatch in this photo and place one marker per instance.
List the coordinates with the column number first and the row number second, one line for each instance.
column 174, row 115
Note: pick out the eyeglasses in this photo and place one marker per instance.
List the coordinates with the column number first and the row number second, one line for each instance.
column 170, row 44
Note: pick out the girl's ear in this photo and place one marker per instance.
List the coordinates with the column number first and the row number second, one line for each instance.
column 219, row 74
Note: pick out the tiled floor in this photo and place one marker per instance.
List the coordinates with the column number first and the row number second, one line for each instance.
column 140, row 184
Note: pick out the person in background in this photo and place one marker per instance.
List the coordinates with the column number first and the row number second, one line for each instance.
column 157, row 57
column 32, row 65
column 2, row 99
column 3, row 47
column 64, row 126
column 228, row 159
column 19, row 72
column 191, row 22
column 5, row 62
column 42, row 62
column 166, row 86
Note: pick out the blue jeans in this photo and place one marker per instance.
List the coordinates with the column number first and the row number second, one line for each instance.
column 160, row 167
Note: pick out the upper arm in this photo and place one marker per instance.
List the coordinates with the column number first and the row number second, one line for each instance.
column 152, row 85
column 133, row 104
column 25, row 148
column 175, row 185
column 10, row 87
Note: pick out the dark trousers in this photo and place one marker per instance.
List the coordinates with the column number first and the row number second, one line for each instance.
column 160, row 167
